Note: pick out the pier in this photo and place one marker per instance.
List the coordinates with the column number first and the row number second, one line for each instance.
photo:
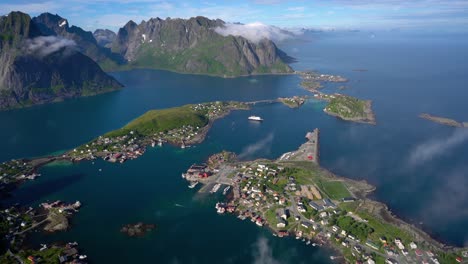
column 308, row 151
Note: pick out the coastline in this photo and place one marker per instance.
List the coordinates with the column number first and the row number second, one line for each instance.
column 361, row 206
column 443, row 120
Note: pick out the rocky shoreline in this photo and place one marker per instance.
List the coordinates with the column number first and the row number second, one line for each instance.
column 443, row 120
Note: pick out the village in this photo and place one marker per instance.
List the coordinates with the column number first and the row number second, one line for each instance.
column 16, row 223
column 132, row 144
column 292, row 196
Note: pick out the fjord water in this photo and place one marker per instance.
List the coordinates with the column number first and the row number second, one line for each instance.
column 419, row 168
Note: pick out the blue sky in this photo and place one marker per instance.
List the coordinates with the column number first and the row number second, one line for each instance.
column 341, row 14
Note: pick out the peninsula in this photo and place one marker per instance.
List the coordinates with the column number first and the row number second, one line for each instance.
column 443, row 120
column 294, row 196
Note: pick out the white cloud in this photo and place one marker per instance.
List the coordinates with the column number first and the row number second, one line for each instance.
column 255, row 31
column 263, row 253
column 43, row 46
column 262, row 145
column 437, row 147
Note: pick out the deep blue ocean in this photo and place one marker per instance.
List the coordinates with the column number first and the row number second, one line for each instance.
column 420, row 168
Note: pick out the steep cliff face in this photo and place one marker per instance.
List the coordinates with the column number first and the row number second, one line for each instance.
column 37, row 69
column 55, row 25
column 193, row 46
column 104, row 37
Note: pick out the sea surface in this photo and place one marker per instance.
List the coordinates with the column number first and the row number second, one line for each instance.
column 420, row 168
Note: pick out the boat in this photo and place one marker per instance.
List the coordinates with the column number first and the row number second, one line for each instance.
column 215, row 188
column 153, row 144
column 183, row 176
column 226, row 190
column 308, row 242
column 255, row 118
column 193, row 184
column 241, row 217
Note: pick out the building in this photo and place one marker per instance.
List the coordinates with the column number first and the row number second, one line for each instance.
column 327, row 203
column 348, row 199
column 284, row 214
column 315, row 206
column 306, row 224
column 280, row 222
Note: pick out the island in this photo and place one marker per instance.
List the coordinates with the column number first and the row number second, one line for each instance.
column 137, row 230
column 443, row 120
column 294, row 196
column 342, row 106
column 349, row 108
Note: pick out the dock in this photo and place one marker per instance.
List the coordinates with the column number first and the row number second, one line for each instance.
column 308, row 151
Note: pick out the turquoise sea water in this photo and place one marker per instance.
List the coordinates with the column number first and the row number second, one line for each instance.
column 419, row 168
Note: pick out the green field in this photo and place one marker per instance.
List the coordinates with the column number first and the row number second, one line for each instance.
column 334, row 189
column 156, row 121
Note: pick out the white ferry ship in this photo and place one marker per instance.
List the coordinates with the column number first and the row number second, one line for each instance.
column 255, row 118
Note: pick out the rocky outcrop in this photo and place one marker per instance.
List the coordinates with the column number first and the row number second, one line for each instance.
column 193, row 46
column 104, row 37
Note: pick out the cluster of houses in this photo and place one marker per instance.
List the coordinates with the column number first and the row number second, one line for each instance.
column 19, row 221
column 212, row 110
column 181, row 134
column 16, row 170
column 112, row 149
column 198, row 172
column 61, row 206
column 16, row 220
column 317, row 77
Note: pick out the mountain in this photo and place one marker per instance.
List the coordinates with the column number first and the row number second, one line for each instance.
column 193, row 46
column 55, row 25
column 38, row 68
column 104, row 37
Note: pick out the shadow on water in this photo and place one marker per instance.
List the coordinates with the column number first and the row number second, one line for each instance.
column 31, row 192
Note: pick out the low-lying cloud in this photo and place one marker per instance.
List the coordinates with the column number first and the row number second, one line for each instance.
column 262, row 145
column 46, row 45
column 255, row 31
column 263, row 253
column 437, row 147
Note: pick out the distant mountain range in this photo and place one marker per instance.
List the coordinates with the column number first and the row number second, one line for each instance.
column 38, row 67
column 44, row 59
column 193, row 46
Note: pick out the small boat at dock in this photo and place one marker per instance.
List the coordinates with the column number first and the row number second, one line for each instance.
column 215, row 188
column 226, row 190
column 193, row 184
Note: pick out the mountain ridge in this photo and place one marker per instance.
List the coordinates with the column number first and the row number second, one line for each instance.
column 36, row 68
column 192, row 46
